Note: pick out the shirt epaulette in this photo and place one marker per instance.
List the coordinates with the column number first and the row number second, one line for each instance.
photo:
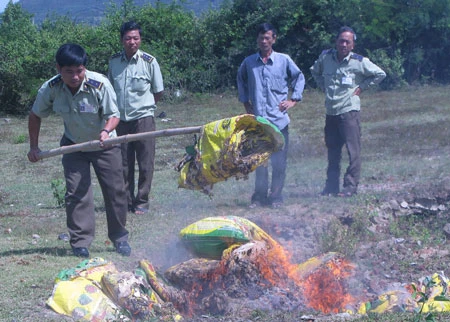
column 116, row 55
column 55, row 80
column 148, row 58
column 327, row 51
column 356, row 56
column 94, row 83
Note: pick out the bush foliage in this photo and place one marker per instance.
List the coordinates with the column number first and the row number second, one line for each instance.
column 409, row 39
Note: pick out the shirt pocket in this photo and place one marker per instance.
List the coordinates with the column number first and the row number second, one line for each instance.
column 61, row 106
column 139, row 84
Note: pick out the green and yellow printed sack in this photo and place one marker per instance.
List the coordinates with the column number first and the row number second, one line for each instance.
column 231, row 147
column 211, row 236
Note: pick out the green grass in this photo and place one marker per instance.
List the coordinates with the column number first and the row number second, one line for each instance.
column 405, row 146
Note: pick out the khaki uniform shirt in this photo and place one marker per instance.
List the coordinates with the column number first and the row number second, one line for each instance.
column 84, row 113
column 339, row 80
column 135, row 81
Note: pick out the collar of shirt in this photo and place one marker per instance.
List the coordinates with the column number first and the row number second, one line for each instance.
column 270, row 58
column 135, row 56
column 83, row 87
column 346, row 58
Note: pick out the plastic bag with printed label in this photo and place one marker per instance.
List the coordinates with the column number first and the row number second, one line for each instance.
column 231, row 147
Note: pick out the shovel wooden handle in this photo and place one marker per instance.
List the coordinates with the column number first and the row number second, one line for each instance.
column 95, row 144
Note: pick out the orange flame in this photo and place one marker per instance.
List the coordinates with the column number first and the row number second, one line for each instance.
column 322, row 284
column 325, row 289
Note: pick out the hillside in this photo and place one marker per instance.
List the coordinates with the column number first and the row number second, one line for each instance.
column 92, row 11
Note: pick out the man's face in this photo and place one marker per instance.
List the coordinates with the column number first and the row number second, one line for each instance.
column 344, row 44
column 265, row 41
column 72, row 76
column 131, row 42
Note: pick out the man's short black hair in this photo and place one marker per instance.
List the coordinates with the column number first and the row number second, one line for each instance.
column 265, row 27
column 346, row 29
column 130, row 25
column 71, row 55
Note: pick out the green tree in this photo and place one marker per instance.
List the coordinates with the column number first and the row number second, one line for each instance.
column 19, row 53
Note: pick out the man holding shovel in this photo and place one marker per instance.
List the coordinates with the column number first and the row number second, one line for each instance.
column 87, row 103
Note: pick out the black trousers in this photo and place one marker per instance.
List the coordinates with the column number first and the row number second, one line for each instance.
column 143, row 152
column 340, row 130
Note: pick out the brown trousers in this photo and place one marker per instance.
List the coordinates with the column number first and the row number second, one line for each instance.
column 79, row 199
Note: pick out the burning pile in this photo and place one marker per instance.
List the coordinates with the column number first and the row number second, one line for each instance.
column 253, row 272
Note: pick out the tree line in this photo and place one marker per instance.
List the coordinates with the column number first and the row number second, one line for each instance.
column 409, row 39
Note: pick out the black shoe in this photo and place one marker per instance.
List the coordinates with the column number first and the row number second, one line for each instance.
column 123, row 248
column 80, row 252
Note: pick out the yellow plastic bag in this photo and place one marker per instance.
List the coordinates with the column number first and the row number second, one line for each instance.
column 77, row 292
column 430, row 294
column 437, row 290
column 231, row 147
column 82, row 300
column 92, row 269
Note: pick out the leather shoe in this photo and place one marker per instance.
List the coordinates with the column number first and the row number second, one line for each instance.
column 80, row 252
column 123, row 248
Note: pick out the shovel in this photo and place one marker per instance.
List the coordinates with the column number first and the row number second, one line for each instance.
column 95, row 144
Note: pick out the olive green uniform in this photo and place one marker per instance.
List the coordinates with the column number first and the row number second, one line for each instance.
column 135, row 81
column 84, row 115
column 339, row 80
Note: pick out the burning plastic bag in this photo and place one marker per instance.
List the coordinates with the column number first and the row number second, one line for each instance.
column 130, row 292
column 211, row 236
column 230, row 147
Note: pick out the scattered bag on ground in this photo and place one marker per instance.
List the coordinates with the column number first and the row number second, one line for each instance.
column 77, row 292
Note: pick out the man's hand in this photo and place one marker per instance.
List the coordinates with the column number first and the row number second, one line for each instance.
column 249, row 108
column 357, row 91
column 285, row 105
column 33, row 154
column 104, row 135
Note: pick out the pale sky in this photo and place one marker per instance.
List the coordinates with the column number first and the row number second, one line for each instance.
column 3, row 4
